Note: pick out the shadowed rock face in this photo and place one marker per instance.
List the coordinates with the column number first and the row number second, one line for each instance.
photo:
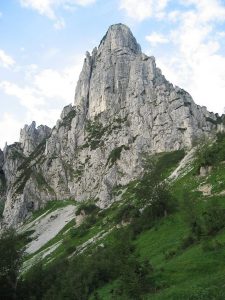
column 1, row 159
column 123, row 107
column 2, row 178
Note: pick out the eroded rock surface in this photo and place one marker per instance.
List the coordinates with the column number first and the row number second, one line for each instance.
column 124, row 107
column 31, row 137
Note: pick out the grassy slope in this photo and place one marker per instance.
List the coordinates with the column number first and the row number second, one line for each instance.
column 69, row 243
column 192, row 273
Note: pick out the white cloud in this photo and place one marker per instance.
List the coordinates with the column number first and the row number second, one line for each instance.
column 208, row 10
column 156, row 38
column 45, row 85
column 143, row 9
column 196, row 62
column 59, row 24
column 13, row 126
column 6, row 60
column 44, row 7
column 48, row 8
column 174, row 15
column 42, row 97
column 52, row 83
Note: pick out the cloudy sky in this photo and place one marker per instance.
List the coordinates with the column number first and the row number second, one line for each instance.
column 43, row 42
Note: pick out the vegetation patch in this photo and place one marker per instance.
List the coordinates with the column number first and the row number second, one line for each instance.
column 27, row 167
column 42, row 183
column 50, row 206
column 87, row 208
column 66, row 121
column 115, row 155
column 2, row 182
column 16, row 154
column 210, row 154
column 171, row 247
column 95, row 131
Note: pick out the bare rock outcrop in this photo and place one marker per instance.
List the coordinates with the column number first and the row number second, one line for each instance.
column 31, row 137
column 124, row 107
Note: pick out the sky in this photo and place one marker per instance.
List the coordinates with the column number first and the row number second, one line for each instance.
column 43, row 43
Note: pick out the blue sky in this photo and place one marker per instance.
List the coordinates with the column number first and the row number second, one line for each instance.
column 43, row 42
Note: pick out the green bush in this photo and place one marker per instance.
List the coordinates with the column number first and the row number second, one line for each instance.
column 78, row 278
column 87, row 208
column 211, row 245
column 170, row 253
column 115, row 155
column 11, row 252
column 126, row 213
column 95, row 131
column 66, row 121
column 84, row 227
column 210, row 154
column 192, row 216
column 200, row 293
column 213, row 217
column 187, row 241
column 202, row 222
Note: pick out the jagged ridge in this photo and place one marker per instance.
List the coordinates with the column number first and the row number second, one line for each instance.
column 124, row 107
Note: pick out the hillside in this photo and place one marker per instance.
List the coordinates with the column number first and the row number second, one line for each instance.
column 124, row 107
column 134, row 250
column 124, row 198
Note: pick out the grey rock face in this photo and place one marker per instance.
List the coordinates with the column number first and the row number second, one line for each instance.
column 124, row 107
column 31, row 137
column 1, row 159
column 13, row 157
column 2, row 180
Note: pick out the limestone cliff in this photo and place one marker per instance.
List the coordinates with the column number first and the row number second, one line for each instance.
column 124, row 107
column 2, row 182
column 31, row 137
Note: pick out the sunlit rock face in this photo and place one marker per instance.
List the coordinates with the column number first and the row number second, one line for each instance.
column 123, row 108
column 31, row 137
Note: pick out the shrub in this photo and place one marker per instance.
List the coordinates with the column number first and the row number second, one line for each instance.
column 88, row 208
column 192, row 216
column 170, row 253
column 84, row 227
column 211, row 245
column 210, row 154
column 187, row 241
column 213, row 217
column 126, row 213
column 95, row 131
column 79, row 278
column 11, row 252
column 115, row 154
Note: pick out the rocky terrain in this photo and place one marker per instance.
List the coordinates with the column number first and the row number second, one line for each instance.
column 123, row 108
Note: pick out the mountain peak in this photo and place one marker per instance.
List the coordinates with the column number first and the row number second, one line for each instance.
column 119, row 36
column 124, row 109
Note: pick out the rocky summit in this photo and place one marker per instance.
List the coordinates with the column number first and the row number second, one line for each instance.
column 124, row 108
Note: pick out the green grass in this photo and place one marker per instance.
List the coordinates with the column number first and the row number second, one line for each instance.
column 217, row 179
column 192, row 273
column 104, row 222
column 166, row 235
column 188, row 274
